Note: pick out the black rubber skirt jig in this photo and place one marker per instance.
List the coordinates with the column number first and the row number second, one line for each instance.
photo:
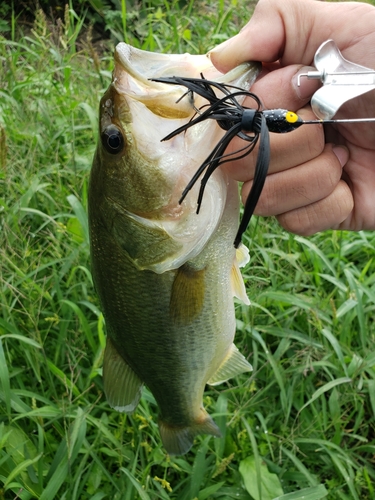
column 252, row 125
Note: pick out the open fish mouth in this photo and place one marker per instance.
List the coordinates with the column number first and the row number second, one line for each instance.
column 134, row 68
column 151, row 175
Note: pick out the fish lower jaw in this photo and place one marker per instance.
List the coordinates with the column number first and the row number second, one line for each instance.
column 160, row 213
column 172, row 211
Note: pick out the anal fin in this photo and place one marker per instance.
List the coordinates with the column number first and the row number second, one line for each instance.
column 122, row 386
column 233, row 364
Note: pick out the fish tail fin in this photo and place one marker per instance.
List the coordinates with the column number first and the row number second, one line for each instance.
column 178, row 440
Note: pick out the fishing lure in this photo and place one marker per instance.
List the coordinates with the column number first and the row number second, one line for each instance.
column 250, row 124
column 342, row 80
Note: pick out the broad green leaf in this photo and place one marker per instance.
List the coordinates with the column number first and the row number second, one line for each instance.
column 62, row 376
column 270, row 483
column 371, row 391
column 91, row 114
column 44, row 412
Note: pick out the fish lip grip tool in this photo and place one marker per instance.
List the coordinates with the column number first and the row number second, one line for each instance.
column 342, row 80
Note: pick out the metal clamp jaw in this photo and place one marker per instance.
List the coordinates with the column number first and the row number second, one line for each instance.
column 342, row 80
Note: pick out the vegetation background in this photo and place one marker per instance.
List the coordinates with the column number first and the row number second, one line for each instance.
column 301, row 426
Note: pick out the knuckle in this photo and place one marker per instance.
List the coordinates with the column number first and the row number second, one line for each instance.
column 297, row 222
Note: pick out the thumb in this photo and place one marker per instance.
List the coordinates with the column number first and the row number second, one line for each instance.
column 264, row 38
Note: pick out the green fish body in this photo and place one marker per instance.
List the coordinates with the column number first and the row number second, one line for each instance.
column 165, row 276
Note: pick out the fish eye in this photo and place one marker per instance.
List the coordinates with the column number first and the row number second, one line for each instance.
column 112, row 139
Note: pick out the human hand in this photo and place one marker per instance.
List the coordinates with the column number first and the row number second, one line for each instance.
column 315, row 182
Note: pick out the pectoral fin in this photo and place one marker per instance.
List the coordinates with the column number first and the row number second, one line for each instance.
column 238, row 285
column 122, row 386
column 233, row 365
column 187, row 294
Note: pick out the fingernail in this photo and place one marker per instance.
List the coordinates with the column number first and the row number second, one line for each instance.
column 219, row 48
column 342, row 154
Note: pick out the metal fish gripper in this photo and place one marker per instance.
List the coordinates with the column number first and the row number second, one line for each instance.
column 342, row 80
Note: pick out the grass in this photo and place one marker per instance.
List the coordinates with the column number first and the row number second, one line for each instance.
column 302, row 426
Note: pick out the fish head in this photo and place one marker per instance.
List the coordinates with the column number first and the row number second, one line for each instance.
column 134, row 168
column 146, row 175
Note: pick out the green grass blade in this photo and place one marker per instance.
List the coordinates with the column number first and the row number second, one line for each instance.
column 4, row 378
column 313, row 493
column 325, row 388
column 310, row 477
column 141, row 492
column 20, row 468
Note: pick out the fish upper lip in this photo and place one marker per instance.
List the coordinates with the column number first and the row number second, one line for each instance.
column 134, row 68
column 122, row 56
column 130, row 60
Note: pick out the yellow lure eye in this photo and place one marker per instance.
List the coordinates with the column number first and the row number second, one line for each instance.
column 291, row 117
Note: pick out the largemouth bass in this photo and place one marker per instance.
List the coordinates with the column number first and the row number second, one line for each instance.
column 165, row 276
